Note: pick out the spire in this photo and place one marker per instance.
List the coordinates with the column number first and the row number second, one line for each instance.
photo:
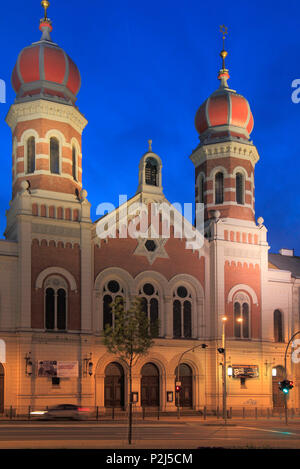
column 223, row 73
column 45, row 23
column 150, row 146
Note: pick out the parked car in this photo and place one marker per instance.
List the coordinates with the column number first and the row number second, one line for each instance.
column 63, row 411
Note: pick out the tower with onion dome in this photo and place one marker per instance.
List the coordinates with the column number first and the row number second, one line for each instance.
column 225, row 158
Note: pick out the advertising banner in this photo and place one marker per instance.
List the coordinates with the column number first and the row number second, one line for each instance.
column 58, row 369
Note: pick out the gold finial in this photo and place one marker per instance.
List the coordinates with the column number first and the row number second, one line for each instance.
column 45, row 4
column 223, row 53
column 150, row 145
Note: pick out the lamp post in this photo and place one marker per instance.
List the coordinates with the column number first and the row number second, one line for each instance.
column 178, row 375
column 224, row 376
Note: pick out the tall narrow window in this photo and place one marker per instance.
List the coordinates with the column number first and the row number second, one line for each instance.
column 241, row 317
column 30, row 155
column 278, row 326
column 54, row 155
column 151, row 307
column 111, row 291
column 219, row 188
column 201, row 189
column 151, row 172
column 237, row 315
column 56, row 303
column 239, row 188
column 182, row 313
column 74, row 163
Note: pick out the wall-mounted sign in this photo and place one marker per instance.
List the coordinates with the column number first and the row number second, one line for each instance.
column 58, row 369
column 245, row 371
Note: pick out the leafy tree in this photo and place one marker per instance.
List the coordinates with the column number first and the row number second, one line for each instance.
column 130, row 337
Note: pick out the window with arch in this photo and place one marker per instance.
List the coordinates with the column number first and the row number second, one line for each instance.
column 201, row 189
column 278, row 326
column 239, row 188
column 74, row 163
column 54, row 155
column 151, row 172
column 219, row 188
column 111, row 291
column 182, row 312
column 30, row 152
column 150, row 301
column 56, row 289
column 241, row 316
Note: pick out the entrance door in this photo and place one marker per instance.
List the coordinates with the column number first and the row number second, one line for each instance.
column 150, row 386
column 186, row 379
column 114, row 386
column 278, row 397
column 1, row 389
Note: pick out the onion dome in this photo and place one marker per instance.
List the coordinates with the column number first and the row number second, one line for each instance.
column 45, row 70
column 225, row 114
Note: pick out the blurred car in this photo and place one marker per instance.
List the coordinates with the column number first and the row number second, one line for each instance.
column 63, row 411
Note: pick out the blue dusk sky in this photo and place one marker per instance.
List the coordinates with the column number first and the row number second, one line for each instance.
column 146, row 67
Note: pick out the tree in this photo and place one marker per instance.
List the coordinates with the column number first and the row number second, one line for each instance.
column 129, row 337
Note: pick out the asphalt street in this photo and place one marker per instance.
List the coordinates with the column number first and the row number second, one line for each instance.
column 190, row 435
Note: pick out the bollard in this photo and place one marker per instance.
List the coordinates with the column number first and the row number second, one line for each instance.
column 244, row 414
column 157, row 413
column 10, row 412
column 29, row 412
column 113, row 413
column 143, row 409
column 256, row 412
column 268, row 413
column 97, row 413
column 204, row 412
column 230, row 413
column 218, row 412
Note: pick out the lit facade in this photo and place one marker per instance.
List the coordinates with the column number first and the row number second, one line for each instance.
column 57, row 277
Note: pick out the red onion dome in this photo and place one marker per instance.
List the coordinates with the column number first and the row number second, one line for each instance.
column 224, row 114
column 44, row 69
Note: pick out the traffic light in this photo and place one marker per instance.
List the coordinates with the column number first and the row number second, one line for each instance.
column 286, row 385
column 177, row 388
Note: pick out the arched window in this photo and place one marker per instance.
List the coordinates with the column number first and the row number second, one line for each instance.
column 151, row 307
column 111, row 291
column 201, row 189
column 278, row 326
column 151, row 172
column 239, row 188
column 56, row 303
column 74, row 163
column 54, row 155
column 219, row 188
column 30, row 155
column 182, row 313
column 241, row 316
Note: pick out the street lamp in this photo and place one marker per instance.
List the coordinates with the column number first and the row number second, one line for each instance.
column 223, row 351
column 178, row 375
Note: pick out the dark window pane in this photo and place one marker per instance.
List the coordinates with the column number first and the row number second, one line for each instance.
column 182, row 292
column 239, row 188
column 61, row 309
column 151, row 172
column 107, row 311
column 237, row 325
column 154, row 317
column 219, row 188
column 54, row 155
column 50, row 308
column 113, row 286
column 31, row 155
column 148, row 289
column 74, row 163
column 149, row 370
column 187, row 319
column 278, row 326
column 245, row 323
column 177, row 318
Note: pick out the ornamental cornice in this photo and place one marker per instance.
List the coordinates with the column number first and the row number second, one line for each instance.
column 225, row 150
column 42, row 109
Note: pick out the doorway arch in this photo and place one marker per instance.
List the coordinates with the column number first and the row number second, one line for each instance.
column 186, row 379
column 114, row 385
column 150, row 385
column 1, row 389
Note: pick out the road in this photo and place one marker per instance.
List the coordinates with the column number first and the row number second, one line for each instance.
column 189, row 435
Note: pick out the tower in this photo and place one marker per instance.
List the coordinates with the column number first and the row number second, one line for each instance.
column 49, row 215
column 225, row 158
